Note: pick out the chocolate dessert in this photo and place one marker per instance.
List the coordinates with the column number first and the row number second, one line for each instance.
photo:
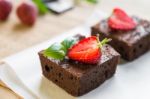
column 78, row 78
column 130, row 43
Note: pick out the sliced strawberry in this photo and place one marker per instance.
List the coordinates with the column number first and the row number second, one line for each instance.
column 86, row 51
column 120, row 20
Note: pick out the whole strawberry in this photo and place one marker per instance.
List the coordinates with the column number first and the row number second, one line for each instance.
column 27, row 13
column 5, row 9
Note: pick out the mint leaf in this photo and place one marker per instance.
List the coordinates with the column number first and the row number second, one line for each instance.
column 55, row 51
column 67, row 43
column 41, row 6
column 59, row 50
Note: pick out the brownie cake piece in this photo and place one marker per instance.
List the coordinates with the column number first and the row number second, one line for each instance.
column 130, row 43
column 78, row 78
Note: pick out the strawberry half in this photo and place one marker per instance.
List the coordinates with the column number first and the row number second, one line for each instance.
column 120, row 20
column 86, row 51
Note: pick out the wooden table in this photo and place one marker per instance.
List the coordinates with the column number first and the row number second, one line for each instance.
column 16, row 37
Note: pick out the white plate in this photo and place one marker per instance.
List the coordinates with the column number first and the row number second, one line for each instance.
column 131, row 80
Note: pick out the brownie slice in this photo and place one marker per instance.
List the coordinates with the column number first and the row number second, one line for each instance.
column 130, row 44
column 78, row 78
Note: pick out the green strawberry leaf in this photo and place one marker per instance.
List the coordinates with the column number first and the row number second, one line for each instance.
column 41, row 6
column 55, row 51
column 105, row 41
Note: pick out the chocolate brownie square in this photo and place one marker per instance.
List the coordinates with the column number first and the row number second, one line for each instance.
column 130, row 44
column 78, row 78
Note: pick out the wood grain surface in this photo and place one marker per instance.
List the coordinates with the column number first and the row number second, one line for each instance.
column 16, row 37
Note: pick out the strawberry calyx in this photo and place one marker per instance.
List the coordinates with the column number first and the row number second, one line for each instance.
column 103, row 42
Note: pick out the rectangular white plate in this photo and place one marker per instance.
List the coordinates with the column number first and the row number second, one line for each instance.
column 131, row 80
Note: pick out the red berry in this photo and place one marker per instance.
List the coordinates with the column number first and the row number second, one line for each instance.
column 27, row 13
column 120, row 20
column 5, row 9
column 86, row 51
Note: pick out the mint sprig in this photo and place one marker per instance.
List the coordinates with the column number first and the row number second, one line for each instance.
column 67, row 43
column 59, row 50
column 55, row 51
